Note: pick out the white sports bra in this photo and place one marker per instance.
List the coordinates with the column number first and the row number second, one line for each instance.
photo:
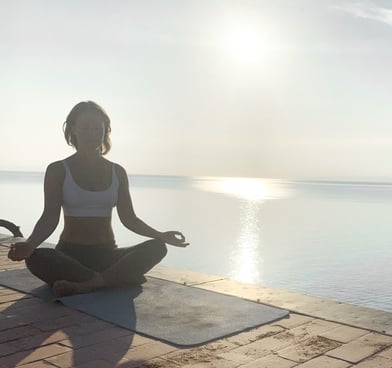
column 79, row 202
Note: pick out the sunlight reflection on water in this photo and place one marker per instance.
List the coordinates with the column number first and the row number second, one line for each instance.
column 247, row 257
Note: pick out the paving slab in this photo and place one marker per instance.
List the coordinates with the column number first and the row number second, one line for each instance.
column 387, row 353
column 375, row 362
column 270, row 361
column 325, row 362
column 344, row 334
column 361, row 348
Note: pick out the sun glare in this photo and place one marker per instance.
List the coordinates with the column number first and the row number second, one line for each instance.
column 244, row 43
column 251, row 189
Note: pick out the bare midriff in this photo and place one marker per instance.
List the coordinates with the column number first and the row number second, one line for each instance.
column 88, row 231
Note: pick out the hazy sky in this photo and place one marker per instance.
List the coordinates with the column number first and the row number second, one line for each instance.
column 278, row 88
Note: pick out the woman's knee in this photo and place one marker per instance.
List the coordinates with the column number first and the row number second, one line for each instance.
column 38, row 259
column 159, row 248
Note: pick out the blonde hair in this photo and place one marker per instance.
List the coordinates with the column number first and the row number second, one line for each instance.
column 71, row 120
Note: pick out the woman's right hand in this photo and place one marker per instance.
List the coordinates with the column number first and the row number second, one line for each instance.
column 20, row 251
column 175, row 238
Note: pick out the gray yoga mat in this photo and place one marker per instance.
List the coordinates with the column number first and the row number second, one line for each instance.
column 175, row 313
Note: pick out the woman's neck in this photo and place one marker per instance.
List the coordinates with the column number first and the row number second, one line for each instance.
column 88, row 155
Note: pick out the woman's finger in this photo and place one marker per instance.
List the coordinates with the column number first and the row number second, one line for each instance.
column 181, row 235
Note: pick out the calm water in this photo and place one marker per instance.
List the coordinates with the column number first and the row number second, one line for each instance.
column 327, row 239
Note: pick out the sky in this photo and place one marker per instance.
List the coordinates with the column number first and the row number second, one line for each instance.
column 296, row 89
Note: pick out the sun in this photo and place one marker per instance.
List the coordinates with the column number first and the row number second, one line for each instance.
column 244, row 43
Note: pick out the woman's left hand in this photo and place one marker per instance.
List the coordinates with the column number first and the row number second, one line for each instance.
column 174, row 238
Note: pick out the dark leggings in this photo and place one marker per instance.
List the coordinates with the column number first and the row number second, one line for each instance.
column 78, row 263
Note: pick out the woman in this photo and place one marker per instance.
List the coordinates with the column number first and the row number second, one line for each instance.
column 87, row 187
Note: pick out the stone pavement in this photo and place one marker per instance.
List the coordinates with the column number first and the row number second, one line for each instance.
column 35, row 334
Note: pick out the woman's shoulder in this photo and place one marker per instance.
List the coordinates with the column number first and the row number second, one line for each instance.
column 56, row 169
column 56, row 165
column 59, row 166
column 120, row 171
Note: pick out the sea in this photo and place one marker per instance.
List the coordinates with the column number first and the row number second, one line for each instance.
column 331, row 239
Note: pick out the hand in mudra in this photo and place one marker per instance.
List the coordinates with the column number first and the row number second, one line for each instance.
column 20, row 251
column 174, row 238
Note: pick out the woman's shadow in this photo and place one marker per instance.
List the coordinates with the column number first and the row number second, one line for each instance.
column 31, row 324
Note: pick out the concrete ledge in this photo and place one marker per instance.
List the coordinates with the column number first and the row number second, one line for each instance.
column 344, row 313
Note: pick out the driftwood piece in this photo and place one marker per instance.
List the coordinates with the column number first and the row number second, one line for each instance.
column 15, row 230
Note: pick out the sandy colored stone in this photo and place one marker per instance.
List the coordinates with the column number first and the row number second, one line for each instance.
column 95, row 364
column 307, row 349
column 73, row 358
column 258, row 349
column 387, row 353
column 159, row 363
column 148, row 351
column 43, row 353
column 375, row 362
column 38, row 340
column 361, row 348
column 344, row 334
column 247, row 337
column 270, row 361
column 41, row 364
column 325, row 362
column 314, row 328
column 217, row 363
column 203, row 354
column 293, row 320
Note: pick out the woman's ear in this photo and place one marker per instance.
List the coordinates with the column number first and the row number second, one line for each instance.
column 73, row 136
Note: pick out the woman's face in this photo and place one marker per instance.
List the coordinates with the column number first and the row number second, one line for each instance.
column 89, row 129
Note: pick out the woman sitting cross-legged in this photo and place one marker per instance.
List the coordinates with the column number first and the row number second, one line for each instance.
column 87, row 186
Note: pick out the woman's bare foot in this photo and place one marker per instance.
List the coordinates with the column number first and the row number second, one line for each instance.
column 65, row 287
column 141, row 280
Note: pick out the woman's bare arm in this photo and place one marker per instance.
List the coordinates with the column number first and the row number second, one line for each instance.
column 53, row 191
column 49, row 219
